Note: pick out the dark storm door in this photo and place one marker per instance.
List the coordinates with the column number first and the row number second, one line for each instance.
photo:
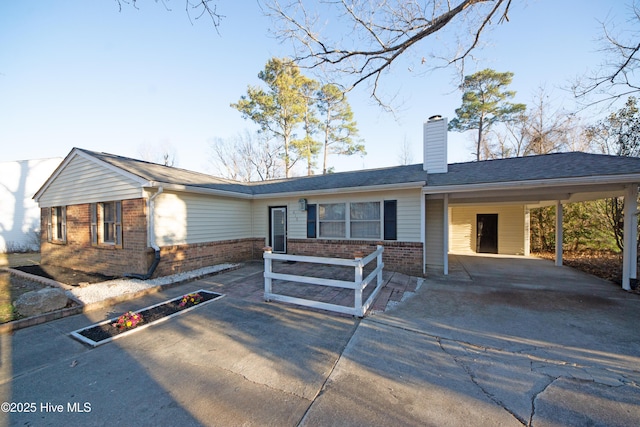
column 278, row 225
column 487, row 238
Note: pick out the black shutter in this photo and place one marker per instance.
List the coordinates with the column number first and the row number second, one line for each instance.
column 390, row 220
column 311, row 221
column 93, row 208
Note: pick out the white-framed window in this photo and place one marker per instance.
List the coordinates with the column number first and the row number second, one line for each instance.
column 332, row 220
column 57, row 224
column 365, row 220
column 369, row 220
column 106, row 223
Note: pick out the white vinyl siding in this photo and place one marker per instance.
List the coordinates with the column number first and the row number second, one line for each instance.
column 435, row 146
column 408, row 212
column 434, row 230
column 184, row 218
column 296, row 219
column 84, row 181
column 511, row 228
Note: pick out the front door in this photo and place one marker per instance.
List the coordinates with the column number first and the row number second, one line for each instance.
column 278, row 226
column 487, row 236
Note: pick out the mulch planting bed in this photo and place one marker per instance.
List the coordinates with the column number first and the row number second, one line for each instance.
column 64, row 275
column 105, row 331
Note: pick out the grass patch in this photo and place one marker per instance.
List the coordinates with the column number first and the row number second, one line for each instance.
column 11, row 287
column 6, row 307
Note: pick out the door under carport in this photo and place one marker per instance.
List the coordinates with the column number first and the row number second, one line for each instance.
column 487, row 233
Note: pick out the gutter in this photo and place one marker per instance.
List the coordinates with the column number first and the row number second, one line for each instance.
column 362, row 189
column 201, row 190
column 298, row 193
column 152, row 240
column 534, row 183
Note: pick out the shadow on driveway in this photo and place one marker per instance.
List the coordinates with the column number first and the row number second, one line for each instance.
column 532, row 345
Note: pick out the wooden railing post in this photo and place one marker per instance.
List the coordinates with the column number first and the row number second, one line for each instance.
column 358, row 281
column 267, row 273
column 379, row 263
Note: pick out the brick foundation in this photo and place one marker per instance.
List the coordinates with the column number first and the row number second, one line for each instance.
column 403, row 257
column 180, row 258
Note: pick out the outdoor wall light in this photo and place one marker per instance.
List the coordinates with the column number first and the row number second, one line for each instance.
column 303, row 204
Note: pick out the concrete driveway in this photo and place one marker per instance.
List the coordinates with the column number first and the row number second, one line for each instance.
column 498, row 342
column 502, row 341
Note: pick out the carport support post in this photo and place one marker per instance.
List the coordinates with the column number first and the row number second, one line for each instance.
column 559, row 233
column 445, row 237
column 630, row 236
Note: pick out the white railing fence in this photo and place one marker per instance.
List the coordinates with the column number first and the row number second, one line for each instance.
column 359, row 283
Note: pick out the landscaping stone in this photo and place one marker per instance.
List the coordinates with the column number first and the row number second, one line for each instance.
column 41, row 301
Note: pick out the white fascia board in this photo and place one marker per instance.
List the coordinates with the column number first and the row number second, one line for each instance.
column 363, row 189
column 516, row 185
column 198, row 190
column 237, row 195
column 76, row 152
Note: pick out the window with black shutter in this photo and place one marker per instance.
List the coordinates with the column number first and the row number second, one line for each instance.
column 390, row 220
column 311, row 221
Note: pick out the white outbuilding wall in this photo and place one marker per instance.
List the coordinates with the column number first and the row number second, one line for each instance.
column 19, row 213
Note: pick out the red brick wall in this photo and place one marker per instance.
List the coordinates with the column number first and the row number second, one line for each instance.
column 405, row 257
column 79, row 254
column 180, row 258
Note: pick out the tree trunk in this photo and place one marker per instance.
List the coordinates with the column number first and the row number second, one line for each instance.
column 480, row 126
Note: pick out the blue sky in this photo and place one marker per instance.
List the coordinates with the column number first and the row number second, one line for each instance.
column 84, row 74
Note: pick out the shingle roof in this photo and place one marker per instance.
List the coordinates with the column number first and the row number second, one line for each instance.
column 544, row 167
column 168, row 174
column 361, row 178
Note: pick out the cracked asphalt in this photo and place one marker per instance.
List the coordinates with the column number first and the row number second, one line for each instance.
column 499, row 342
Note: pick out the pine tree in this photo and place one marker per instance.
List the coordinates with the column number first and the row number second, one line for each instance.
column 484, row 102
column 337, row 124
column 279, row 109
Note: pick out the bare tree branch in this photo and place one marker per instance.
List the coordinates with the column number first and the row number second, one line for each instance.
column 617, row 76
column 246, row 157
column 381, row 32
column 200, row 7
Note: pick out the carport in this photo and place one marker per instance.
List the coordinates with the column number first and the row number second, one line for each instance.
column 528, row 182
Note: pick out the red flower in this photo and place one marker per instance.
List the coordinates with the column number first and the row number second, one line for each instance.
column 191, row 299
column 128, row 320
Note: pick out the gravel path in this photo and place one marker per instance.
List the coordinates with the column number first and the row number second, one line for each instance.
column 104, row 290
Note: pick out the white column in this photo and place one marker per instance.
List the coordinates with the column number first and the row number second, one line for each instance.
column 445, row 227
column 423, row 231
column 559, row 233
column 527, row 231
column 630, row 251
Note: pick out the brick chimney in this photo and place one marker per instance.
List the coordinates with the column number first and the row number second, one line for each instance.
column 435, row 145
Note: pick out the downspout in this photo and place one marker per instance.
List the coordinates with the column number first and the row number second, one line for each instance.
column 152, row 240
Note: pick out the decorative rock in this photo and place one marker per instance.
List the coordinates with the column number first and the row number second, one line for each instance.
column 41, row 301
